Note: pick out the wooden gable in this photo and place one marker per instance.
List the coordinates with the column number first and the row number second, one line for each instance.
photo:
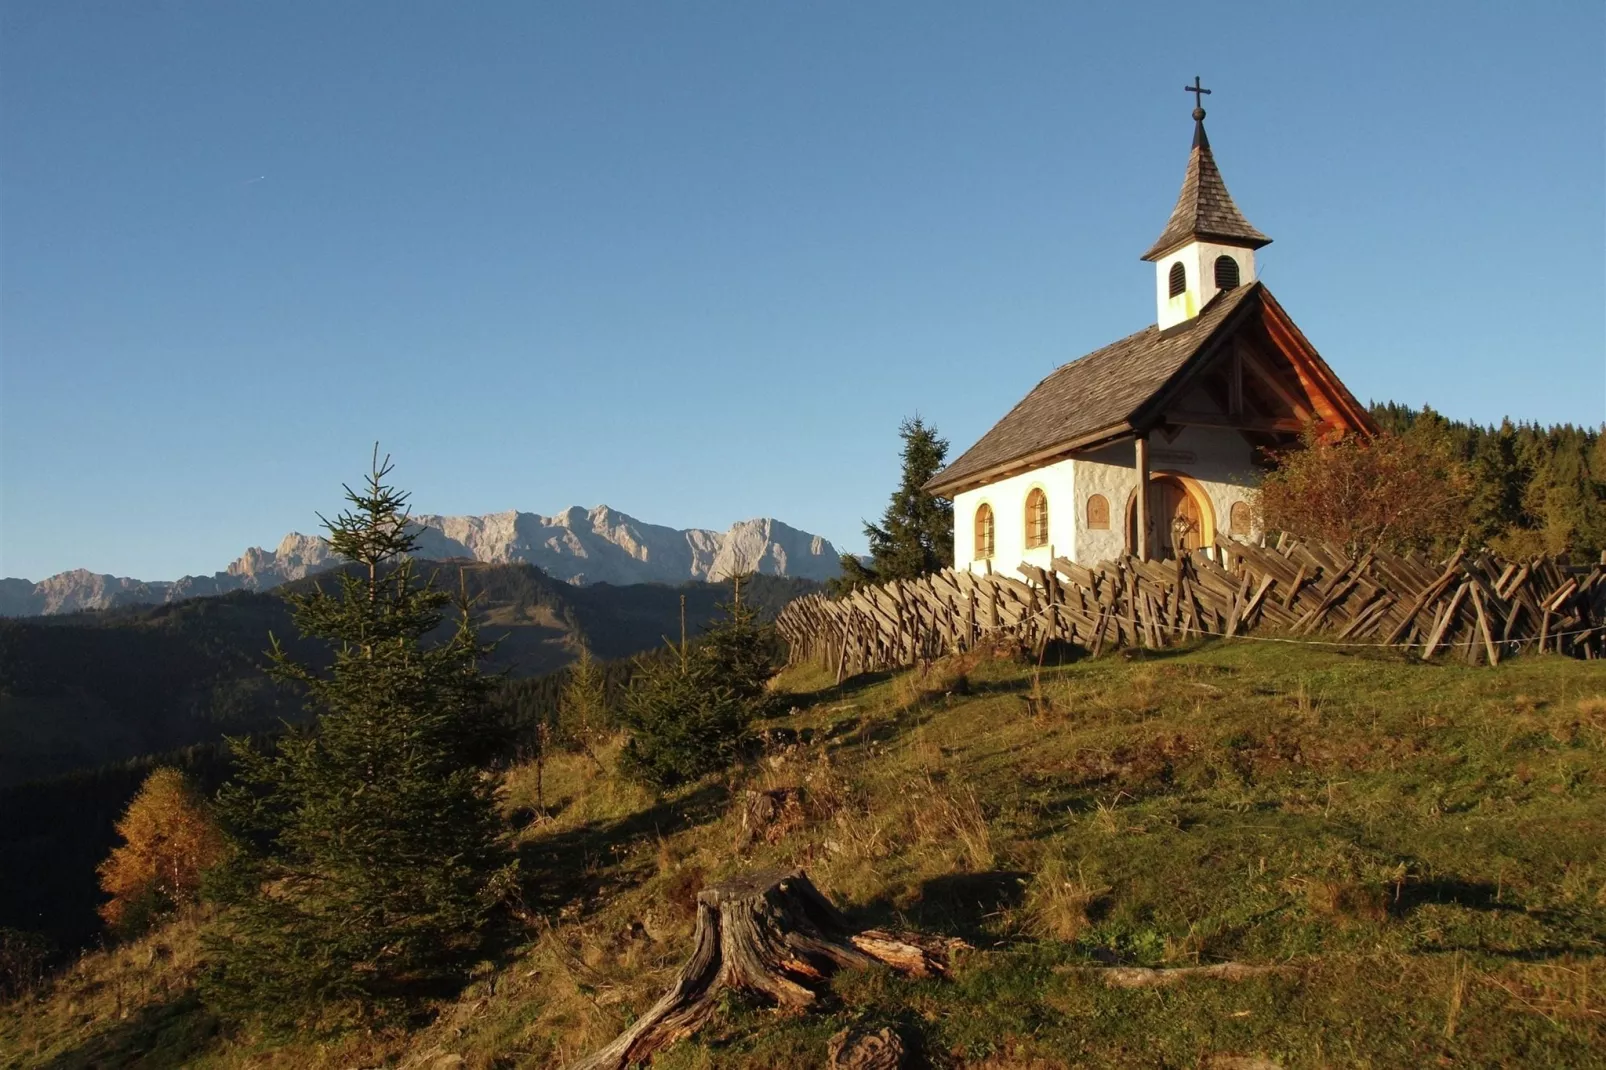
column 1264, row 379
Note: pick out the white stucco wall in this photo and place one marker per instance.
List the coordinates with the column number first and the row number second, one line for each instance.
column 1198, row 259
column 1008, row 499
column 1219, row 461
column 1111, row 472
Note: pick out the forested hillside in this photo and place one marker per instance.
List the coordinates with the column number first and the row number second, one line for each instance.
column 86, row 689
column 1536, row 490
column 91, row 702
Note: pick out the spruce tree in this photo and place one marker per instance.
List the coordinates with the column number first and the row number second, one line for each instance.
column 368, row 855
column 684, row 718
column 738, row 650
column 916, row 533
column 1536, row 489
column 583, row 712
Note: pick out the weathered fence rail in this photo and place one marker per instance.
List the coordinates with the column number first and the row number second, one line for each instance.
column 1474, row 605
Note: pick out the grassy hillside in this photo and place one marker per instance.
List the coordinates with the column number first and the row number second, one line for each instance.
column 1422, row 849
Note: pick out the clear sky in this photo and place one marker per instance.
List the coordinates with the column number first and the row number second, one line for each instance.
column 696, row 260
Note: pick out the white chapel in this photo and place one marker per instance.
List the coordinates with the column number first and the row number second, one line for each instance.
column 1185, row 407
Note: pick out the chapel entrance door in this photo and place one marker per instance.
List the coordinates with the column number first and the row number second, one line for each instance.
column 1175, row 515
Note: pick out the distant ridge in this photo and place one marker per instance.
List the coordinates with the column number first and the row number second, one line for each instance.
column 578, row 545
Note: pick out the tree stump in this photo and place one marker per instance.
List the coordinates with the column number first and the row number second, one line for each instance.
column 769, row 815
column 867, row 1049
column 771, row 933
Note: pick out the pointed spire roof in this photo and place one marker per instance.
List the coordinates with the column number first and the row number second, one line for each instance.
column 1204, row 207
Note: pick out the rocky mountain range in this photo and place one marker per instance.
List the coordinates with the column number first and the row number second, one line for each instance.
column 579, row 546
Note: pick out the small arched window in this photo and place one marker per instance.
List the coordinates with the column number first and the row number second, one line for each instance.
column 1226, row 273
column 1036, row 518
column 1098, row 512
column 984, row 531
column 1178, row 279
column 1238, row 520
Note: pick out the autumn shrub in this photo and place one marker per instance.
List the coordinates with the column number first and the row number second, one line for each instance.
column 1388, row 491
column 169, row 840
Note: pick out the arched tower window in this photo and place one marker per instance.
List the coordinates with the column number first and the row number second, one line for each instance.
column 1036, row 518
column 1177, row 281
column 1098, row 512
column 984, row 531
column 1226, row 273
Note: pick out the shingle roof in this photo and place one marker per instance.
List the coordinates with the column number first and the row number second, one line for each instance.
column 1098, row 391
column 1204, row 207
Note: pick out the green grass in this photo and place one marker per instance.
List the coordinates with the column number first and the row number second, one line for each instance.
column 1422, row 847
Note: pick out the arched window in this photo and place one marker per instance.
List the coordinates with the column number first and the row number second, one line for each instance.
column 1178, row 279
column 1098, row 512
column 1036, row 518
column 984, row 531
column 1238, row 520
column 1226, row 273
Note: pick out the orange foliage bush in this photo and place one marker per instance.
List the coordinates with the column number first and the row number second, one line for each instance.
column 169, row 841
column 1395, row 492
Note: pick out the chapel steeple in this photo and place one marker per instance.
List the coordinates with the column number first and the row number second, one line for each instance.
column 1207, row 245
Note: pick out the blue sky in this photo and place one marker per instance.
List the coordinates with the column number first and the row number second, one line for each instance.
column 696, row 260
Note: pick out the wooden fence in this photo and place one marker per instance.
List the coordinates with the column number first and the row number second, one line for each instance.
column 1474, row 605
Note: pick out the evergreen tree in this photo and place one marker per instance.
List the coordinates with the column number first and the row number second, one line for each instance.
column 738, row 650
column 1535, row 489
column 916, row 533
column 368, row 855
column 684, row 717
column 682, row 724
column 583, row 713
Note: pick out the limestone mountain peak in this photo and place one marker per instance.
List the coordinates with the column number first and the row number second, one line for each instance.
column 578, row 545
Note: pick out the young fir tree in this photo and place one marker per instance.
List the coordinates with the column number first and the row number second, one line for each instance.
column 367, row 848
column 738, row 650
column 583, row 712
column 916, row 533
column 684, row 720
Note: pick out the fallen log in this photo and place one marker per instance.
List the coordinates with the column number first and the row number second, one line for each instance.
column 1144, row 977
column 773, row 934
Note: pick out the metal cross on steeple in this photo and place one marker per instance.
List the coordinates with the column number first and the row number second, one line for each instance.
column 1198, row 91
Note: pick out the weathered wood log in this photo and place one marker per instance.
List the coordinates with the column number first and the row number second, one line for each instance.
column 1144, row 977
column 773, row 934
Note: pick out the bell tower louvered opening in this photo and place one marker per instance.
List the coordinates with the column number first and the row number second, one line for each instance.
column 1226, row 273
column 1178, row 280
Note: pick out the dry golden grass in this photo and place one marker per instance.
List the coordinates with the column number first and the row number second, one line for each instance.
column 105, row 987
column 1347, row 901
column 1057, row 900
column 571, row 790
